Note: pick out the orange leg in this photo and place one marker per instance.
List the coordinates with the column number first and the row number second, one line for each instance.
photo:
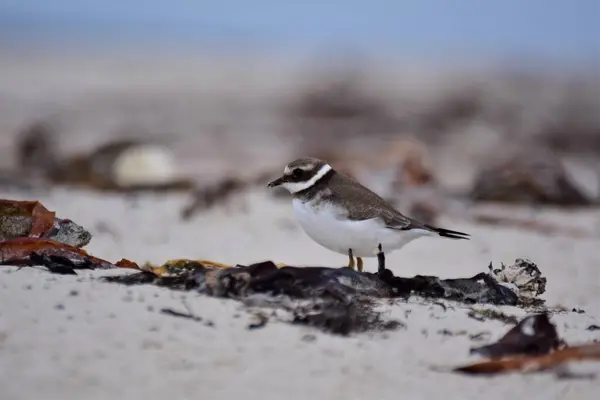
column 359, row 265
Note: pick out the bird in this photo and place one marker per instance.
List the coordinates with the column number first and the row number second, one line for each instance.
column 342, row 215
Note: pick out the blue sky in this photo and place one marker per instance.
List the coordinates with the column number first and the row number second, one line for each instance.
column 552, row 28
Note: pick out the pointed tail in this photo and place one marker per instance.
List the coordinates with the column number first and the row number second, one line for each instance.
column 447, row 233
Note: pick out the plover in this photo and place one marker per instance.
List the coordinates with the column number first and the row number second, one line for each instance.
column 343, row 216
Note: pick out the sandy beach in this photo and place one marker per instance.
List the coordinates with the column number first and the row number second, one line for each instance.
column 73, row 337
column 70, row 337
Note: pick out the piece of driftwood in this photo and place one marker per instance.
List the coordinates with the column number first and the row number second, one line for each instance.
column 537, row 363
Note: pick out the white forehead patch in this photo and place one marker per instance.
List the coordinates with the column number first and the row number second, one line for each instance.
column 294, row 187
column 306, row 167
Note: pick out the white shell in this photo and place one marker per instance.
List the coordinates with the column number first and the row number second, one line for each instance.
column 144, row 165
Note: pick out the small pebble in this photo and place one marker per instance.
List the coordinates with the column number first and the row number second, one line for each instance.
column 309, row 338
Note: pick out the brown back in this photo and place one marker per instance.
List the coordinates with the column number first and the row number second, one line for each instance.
column 360, row 202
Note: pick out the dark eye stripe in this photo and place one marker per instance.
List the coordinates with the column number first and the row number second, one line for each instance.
column 300, row 175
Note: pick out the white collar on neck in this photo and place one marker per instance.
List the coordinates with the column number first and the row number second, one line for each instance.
column 295, row 187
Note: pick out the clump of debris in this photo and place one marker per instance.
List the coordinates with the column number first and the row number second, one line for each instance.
column 338, row 300
column 31, row 235
column 533, row 345
column 32, row 219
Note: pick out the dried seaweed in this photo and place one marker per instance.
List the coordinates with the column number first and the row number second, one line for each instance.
column 489, row 314
column 57, row 257
column 31, row 235
column 338, row 300
column 306, row 282
column 534, row 335
column 261, row 322
column 593, row 328
column 180, row 314
column 531, row 346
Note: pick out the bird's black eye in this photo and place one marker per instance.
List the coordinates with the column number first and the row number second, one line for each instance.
column 297, row 172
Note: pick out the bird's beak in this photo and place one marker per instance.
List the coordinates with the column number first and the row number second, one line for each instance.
column 276, row 182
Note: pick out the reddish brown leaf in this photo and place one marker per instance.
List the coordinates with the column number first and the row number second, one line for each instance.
column 125, row 263
column 20, row 250
column 534, row 363
column 42, row 220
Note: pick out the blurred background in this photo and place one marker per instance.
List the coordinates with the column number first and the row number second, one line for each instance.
column 235, row 88
column 467, row 114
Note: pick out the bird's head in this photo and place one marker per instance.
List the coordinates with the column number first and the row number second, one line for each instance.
column 301, row 174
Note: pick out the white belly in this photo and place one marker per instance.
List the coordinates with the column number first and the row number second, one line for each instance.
column 325, row 226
